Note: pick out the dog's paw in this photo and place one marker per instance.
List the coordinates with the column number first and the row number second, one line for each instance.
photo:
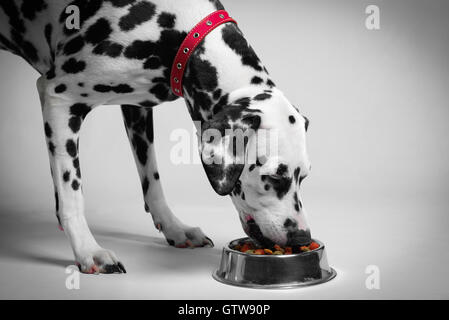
column 99, row 261
column 180, row 236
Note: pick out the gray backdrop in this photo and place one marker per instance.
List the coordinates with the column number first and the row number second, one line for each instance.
column 377, row 194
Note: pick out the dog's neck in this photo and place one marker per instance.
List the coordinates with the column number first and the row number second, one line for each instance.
column 223, row 69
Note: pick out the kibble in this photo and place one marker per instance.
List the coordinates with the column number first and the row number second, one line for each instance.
column 250, row 248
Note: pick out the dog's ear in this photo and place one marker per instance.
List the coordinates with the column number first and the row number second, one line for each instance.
column 223, row 144
column 307, row 122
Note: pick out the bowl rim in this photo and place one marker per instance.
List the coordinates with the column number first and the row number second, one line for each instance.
column 271, row 256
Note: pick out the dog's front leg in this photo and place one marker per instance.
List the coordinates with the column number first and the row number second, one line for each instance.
column 139, row 127
column 62, row 121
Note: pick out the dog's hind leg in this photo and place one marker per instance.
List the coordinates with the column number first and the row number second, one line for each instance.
column 62, row 122
column 139, row 127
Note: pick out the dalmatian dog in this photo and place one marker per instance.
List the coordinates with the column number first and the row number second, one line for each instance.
column 122, row 54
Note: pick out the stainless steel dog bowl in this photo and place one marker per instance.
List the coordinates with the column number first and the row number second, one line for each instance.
column 273, row 271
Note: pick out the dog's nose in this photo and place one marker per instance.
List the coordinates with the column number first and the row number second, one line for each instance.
column 295, row 236
column 298, row 238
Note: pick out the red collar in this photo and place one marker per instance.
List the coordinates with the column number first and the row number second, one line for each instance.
column 188, row 46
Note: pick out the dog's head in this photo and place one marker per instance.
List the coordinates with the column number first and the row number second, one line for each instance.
column 255, row 151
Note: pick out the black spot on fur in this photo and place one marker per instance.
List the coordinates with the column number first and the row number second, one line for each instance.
column 282, row 183
column 235, row 40
column 76, row 165
column 161, row 91
column 202, row 73
column 73, row 66
column 66, row 176
column 238, row 188
column 57, row 202
column 220, row 104
column 262, row 97
column 48, row 131
column 256, row 234
column 156, row 176
column 292, row 119
column 140, row 49
column 75, row 185
column 74, row 45
column 270, row 83
column 256, row 80
column 8, row 45
column 139, row 13
column 131, row 114
column 217, row 94
column 297, row 203
column 217, row 4
column 75, row 124
column 243, row 102
column 121, row 3
column 48, row 34
column 11, row 10
column 18, row 44
column 166, row 20
column 149, row 130
column 152, row 63
column 296, row 174
column 80, row 110
column 51, row 148
column 141, row 148
column 108, row 48
column 282, row 169
column 31, row 7
column 98, row 32
column 306, row 123
column 147, row 104
column 119, row 89
column 25, row 48
column 50, row 73
column 60, row 88
column 71, row 148
column 145, row 185
column 252, row 167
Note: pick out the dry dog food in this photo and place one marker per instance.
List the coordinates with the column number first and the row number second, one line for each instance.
column 249, row 247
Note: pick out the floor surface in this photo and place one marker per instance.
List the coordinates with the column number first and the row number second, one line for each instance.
column 34, row 255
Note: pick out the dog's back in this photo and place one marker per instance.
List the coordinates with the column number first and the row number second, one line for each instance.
column 28, row 28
